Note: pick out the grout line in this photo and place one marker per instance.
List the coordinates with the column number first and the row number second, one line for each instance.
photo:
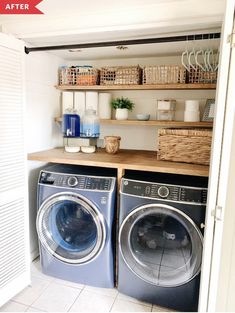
column 114, row 302
column 41, row 293
column 74, row 300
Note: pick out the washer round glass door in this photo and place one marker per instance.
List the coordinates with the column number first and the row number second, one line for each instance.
column 71, row 228
column 161, row 245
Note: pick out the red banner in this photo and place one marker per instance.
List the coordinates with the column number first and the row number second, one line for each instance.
column 19, row 7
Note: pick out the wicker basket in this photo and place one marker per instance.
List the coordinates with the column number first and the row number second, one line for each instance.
column 197, row 76
column 79, row 75
column 120, row 75
column 164, row 74
column 185, row 145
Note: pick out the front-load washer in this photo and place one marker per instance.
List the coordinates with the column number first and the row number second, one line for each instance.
column 75, row 224
column 161, row 238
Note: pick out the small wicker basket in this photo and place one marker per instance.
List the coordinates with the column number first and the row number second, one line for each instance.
column 197, row 76
column 185, row 145
column 120, row 75
column 164, row 74
column 79, row 75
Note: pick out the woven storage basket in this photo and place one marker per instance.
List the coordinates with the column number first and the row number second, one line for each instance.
column 197, row 76
column 120, row 75
column 164, row 74
column 185, row 145
column 79, row 75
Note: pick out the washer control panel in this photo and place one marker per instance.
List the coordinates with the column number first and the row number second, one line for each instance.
column 76, row 181
column 164, row 192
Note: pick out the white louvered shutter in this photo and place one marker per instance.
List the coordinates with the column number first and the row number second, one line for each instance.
column 14, row 245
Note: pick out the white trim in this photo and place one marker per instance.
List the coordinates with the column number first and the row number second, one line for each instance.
column 208, row 288
column 220, row 226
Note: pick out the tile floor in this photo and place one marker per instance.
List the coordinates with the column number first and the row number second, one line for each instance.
column 47, row 294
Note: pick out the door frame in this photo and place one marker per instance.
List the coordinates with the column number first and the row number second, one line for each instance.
column 219, row 172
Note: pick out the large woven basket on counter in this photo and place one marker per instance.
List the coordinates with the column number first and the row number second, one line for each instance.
column 185, row 145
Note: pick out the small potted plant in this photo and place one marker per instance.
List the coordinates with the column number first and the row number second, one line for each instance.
column 122, row 106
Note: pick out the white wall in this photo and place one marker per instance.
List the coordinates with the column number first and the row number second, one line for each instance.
column 145, row 138
column 42, row 105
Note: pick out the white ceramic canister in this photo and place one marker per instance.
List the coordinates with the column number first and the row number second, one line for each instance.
column 191, row 116
column 105, row 110
column 166, row 104
column 192, row 105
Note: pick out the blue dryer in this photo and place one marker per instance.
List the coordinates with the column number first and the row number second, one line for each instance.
column 76, row 210
column 161, row 238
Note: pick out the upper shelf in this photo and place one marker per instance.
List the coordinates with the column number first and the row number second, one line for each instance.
column 139, row 87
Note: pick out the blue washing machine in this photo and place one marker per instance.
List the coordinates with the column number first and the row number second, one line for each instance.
column 76, row 211
column 161, row 238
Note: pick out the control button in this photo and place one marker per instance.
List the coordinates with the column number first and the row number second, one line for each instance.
column 147, row 190
column 125, row 182
column 163, row 192
column 72, row 181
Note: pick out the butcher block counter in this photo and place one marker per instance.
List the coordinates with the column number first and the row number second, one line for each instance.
column 124, row 160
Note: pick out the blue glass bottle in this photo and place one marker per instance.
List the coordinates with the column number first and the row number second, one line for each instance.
column 71, row 124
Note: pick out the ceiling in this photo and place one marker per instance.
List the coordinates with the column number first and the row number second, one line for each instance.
column 76, row 21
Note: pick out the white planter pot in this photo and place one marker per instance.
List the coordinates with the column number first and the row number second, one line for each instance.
column 121, row 114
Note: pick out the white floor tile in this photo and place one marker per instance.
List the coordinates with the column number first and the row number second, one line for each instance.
column 92, row 302
column 111, row 292
column 68, row 283
column 157, row 308
column 56, row 298
column 12, row 306
column 37, row 272
column 32, row 309
column 31, row 293
column 130, row 299
column 127, row 306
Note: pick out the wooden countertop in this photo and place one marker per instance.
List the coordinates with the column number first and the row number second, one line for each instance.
column 125, row 159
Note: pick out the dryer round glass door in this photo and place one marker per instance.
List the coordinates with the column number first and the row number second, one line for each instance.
column 161, row 245
column 71, row 228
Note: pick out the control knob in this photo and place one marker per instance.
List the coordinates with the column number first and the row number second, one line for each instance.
column 72, row 181
column 163, row 192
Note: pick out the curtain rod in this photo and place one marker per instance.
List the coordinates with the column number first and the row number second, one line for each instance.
column 125, row 42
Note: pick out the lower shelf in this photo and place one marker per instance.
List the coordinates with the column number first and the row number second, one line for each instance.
column 125, row 159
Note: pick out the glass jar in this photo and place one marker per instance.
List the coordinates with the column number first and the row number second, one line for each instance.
column 71, row 123
column 90, row 124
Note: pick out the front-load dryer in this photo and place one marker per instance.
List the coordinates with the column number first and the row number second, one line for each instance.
column 161, row 238
column 75, row 224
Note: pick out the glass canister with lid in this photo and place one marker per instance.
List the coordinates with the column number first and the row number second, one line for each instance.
column 71, row 123
column 90, row 126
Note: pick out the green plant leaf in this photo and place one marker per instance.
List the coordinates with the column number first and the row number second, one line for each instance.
column 122, row 103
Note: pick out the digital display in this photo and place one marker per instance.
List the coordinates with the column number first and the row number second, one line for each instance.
column 191, row 195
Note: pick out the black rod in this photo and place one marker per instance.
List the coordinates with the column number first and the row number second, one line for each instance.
column 126, row 42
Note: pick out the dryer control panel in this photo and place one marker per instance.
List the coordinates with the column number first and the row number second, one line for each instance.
column 164, row 191
column 76, row 181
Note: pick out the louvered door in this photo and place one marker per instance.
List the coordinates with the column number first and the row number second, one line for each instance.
column 14, row 246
